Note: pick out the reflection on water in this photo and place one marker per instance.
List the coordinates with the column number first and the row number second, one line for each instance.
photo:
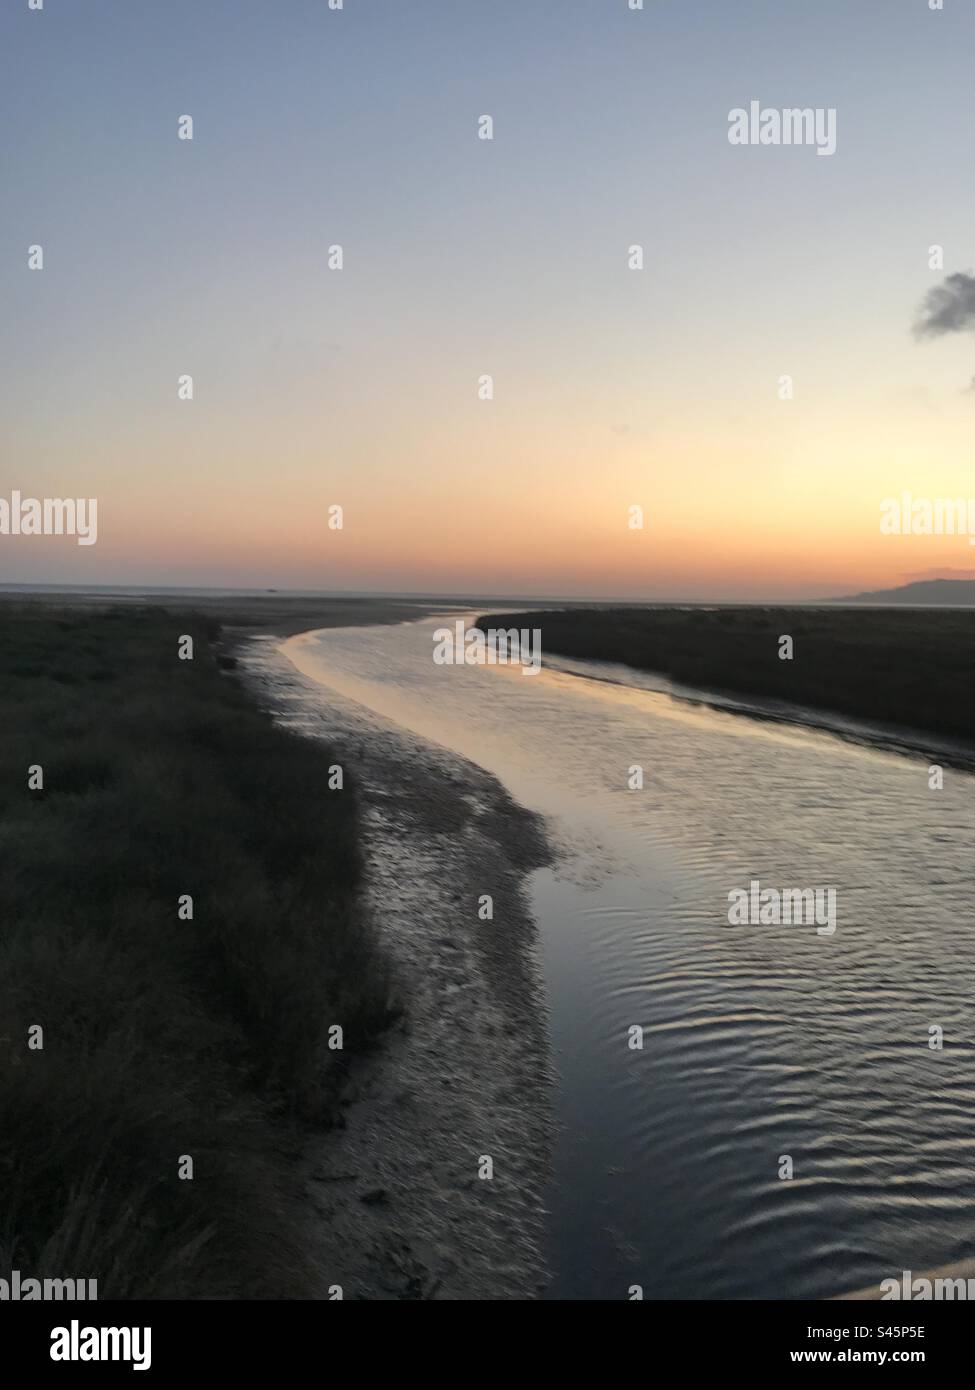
column 759, row 1041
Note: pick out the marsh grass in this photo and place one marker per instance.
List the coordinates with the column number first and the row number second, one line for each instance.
column 165, row 1037
column 901, row 666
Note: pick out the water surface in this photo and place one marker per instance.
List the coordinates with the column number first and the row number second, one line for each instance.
column 759, row 1042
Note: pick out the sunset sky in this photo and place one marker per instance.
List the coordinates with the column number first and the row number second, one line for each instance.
column 466, row 257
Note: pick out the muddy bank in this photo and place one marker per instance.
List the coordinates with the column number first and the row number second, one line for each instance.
column 868, row 668
column 464, row 1074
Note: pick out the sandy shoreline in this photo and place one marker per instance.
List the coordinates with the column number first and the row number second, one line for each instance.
column 466, row 1072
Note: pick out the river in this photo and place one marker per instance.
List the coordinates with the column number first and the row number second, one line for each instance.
column 765, row 1048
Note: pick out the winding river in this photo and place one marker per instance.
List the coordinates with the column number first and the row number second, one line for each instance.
column 765, row 1048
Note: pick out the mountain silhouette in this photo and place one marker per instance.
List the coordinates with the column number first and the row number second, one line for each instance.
column 941, row 593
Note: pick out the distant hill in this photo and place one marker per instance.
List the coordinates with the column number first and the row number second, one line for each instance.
column 943, row 593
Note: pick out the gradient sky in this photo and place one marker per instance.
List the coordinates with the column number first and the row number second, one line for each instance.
column 464, row 257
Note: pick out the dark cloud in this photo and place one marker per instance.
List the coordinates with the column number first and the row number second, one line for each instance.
column 949, row 308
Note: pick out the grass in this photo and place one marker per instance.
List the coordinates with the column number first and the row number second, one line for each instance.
column 166, row 1037
column 914, row 668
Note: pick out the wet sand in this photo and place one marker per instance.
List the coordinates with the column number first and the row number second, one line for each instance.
column 464, row 1074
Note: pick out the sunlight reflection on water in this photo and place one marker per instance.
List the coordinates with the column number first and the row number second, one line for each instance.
column 759, row 1041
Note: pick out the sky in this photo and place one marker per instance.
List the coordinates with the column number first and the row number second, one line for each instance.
column 466, row 258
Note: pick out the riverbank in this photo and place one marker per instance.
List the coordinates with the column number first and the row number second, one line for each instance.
column 463, row 1074
column 196, row 903
column 910, row 670
column 181, row 931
